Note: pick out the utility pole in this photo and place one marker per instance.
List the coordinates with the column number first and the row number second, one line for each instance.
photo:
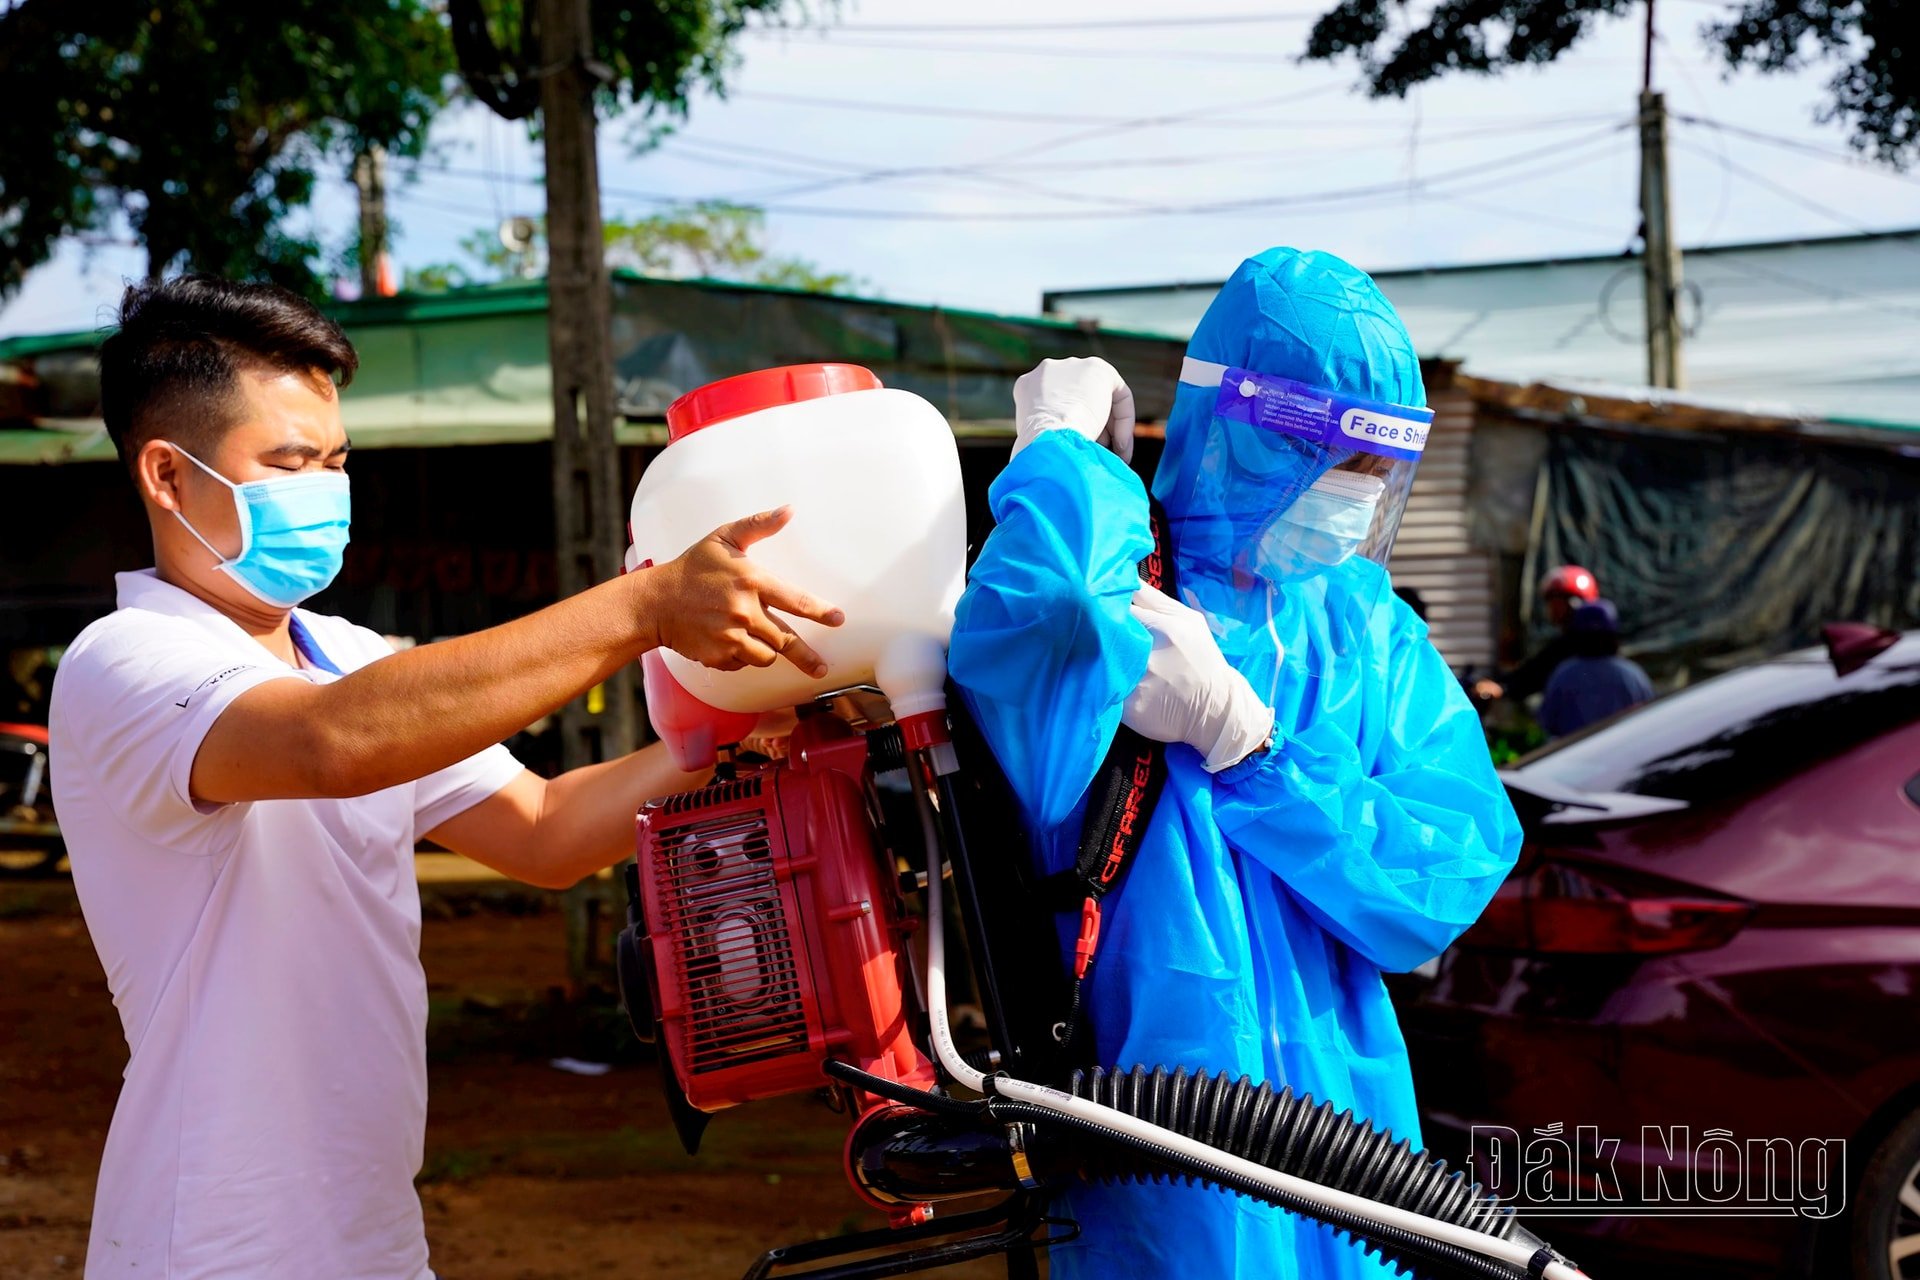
column 1660, row 256
column 370, row 178
column 589, row 523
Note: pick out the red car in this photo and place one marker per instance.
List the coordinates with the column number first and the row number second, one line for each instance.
column 1686, row 1032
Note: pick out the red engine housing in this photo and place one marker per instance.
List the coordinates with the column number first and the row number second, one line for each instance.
column 775, row 927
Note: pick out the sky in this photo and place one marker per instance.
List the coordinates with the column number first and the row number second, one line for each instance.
column 977, row 155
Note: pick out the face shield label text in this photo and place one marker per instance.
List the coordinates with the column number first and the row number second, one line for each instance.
column 1324, row 417
column 1368, row 427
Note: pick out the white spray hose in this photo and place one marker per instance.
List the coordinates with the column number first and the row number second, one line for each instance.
column 943, row 1046
column 1285, row 1184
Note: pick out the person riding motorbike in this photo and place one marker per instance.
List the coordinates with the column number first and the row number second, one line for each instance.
column 1563, row 590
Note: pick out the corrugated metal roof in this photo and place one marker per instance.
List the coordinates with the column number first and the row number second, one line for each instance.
column 470, row 366
column 1824, row 328
column 525, row 297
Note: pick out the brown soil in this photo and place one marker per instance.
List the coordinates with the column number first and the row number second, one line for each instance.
column 531, row 1173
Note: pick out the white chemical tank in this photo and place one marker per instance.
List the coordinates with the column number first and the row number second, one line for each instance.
column 878, row 526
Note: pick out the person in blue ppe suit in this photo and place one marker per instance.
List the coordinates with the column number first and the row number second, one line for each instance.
column 1330, row 812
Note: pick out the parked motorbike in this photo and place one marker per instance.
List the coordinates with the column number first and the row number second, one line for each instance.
column 30, row 843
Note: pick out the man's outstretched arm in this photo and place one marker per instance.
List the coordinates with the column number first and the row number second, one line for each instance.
column 554, row 832
column 408, row 715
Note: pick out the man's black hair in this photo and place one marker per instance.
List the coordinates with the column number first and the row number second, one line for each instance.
column 170, row 370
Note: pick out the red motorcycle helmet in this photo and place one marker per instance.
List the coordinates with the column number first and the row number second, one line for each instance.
column 1571, row 580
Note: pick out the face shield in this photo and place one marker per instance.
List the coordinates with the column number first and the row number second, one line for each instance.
column 1291, row 448
column 1308, row 476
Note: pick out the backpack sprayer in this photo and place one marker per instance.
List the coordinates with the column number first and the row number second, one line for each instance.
column 770, row 915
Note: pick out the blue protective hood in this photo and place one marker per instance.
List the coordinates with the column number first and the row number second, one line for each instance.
column 1305, row 315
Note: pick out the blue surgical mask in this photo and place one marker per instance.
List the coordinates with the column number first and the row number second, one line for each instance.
column 293, row 532
column 1321, row 528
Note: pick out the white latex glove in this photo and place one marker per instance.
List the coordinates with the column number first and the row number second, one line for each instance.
column 1191, row 693
column 1084, row 395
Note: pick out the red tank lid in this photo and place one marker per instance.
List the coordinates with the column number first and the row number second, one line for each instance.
column 763, row 389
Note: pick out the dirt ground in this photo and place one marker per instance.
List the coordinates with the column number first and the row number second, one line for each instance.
column 531, row 1173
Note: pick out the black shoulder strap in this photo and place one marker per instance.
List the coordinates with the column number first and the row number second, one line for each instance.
column 1120, row 802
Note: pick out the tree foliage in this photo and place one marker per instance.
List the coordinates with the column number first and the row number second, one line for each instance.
column 653, row 56
column 203, row 124
column 710, row 239
column 1875, row 45
column 716, row 240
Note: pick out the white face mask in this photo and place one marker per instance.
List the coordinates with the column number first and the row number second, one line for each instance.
column 1321, row 528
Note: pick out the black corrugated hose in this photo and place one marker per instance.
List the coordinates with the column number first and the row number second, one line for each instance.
column 1294, row 1135
column 1276, row 1130
column 1414, row 1255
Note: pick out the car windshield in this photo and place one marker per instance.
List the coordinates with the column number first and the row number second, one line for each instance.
column 1737, row 732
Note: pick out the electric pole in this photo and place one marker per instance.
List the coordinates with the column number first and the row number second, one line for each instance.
column 1660, row 256
column 588, row 513
column 370, row 179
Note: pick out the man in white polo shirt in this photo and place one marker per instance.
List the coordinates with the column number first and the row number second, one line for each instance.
column 241, row 784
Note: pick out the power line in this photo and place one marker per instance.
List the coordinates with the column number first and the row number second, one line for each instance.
column 1092, row 24
column 738, row 157
column 1851, row 159
column 1244, row 156
column 1212, row 57
column 1528, row 216
column 408, row 196
column 1110, row 126
column 780, row 154
column 1251, row 204
column 988, row 169
column 1052, row 193
column 868, row 105
column 1789, row 194
column 1160, row 121
column 737, row 164
column 940, row 111
column 1215, row 57
column 1123, row 125
column 1724, row 202
column 1566, row 150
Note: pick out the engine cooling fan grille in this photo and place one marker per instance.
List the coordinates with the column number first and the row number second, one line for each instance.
column 734, row 942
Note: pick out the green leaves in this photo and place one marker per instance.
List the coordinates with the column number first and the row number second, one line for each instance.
column 201, row 125
column 656, row 54
column 710, row 239
column 716, row 240
column 1876, row 44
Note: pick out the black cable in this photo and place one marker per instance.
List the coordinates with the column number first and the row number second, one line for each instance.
column 893, row 1091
